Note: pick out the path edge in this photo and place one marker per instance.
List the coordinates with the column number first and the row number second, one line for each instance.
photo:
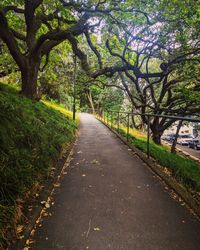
column 158, row 170
column 45, row 193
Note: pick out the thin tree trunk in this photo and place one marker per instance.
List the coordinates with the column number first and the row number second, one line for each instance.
column 156, row 133
column 173, row 147
column 89, row 95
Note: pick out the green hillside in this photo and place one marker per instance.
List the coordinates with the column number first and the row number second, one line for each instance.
column 32, row 137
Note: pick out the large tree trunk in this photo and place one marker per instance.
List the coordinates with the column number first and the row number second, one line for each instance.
column 156, row 137
column 29, row 80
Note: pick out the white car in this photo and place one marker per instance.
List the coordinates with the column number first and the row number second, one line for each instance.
column 184, row 139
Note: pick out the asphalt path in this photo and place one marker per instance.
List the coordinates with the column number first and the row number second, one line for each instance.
column 110, row 199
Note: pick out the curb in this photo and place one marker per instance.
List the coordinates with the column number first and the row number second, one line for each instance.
column 158, row 170
column 184, row 153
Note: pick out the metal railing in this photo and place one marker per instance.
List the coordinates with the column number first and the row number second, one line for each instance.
column 115, row 119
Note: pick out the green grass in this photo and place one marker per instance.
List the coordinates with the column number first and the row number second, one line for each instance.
column 183, row 169
column 32, row 137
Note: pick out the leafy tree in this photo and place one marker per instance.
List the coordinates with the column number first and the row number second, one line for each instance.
column 154, row 59
column 32, row 28
column 7, row 64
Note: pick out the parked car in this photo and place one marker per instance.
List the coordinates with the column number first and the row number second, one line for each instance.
column 169, row 137
column 184, row 139
column 195, row 143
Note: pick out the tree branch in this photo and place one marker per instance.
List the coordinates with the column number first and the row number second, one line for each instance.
column 7, row 36
column 94, row 49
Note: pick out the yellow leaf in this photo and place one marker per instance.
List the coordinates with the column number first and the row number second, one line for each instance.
column 47, row 205
column 21, row 237
column 20, row 229
column 56, row 185
column 32, row 232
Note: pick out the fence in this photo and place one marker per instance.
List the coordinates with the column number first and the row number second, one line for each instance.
column 117, row 119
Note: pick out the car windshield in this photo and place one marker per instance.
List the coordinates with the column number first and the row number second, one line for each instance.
column 186, row 136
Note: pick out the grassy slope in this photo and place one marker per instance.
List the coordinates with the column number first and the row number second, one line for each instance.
column 185, row 170
column 32, row 136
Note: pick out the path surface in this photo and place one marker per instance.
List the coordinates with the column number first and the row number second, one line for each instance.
column 111, row 200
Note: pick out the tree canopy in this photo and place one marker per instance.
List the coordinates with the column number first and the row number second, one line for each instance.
column 150, row 50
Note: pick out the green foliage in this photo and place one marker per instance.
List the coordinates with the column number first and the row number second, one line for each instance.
column 111, row 99
column 56, row 79
column 32, row 136
column 6, row 61
column 185, row 170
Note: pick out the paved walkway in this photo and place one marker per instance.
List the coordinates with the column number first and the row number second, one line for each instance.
column 111, row 200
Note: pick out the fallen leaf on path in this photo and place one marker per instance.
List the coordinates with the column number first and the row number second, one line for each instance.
column 30, row 209
column 83, row 175
column 94, row 161
column 47, row 205
column 32, row 232
column 21, row 237
column 97, row 229
column 37, row 221
column 19, row 229
column 79, row 152
column 56, row 185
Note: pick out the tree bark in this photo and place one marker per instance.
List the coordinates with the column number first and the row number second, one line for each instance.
column 29, row 76
column 156, row 132
column 173, row 148
column 156, row 137
column 89, row 95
